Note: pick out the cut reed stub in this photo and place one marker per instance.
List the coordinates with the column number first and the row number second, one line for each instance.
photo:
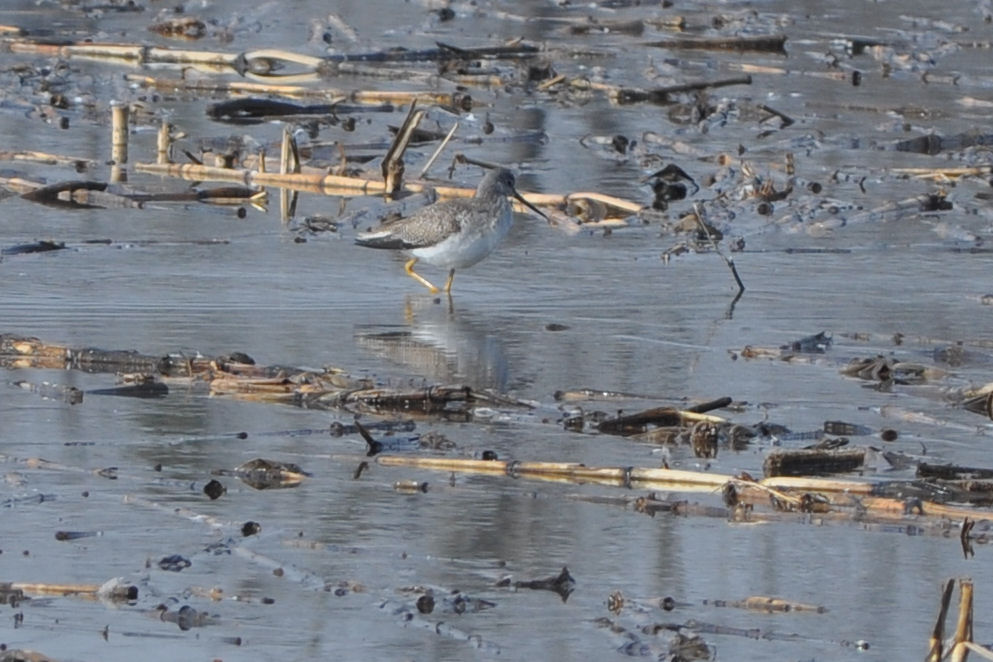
column 119, row 133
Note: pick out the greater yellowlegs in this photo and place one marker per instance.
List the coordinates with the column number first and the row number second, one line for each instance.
column 452, row 233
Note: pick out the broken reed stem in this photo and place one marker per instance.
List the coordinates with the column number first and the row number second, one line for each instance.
column 771, row 604
column 375, row 97
column 563, row 471
column 39, row 588
column 437, row 152
column 619, row 204
column 270, row 64
column 982, row 652
column 263, row 56
column 942, row 174
column 750, row 68
column 661, row 95
column 963, row 627
column 698, row 213
column 319, row 181
column 112, row 589
column 32, row 156
column 938, row 632
column 772, row 492
column 392, row 167
column 849, row 493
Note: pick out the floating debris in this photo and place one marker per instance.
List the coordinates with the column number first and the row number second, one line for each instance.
column 768, row 43
column 263, row 474
column 562, row 583
column 214, row 489
column 410, row 487
column 142, row 386
column 767, row 604
column 112, row 590
column 257, row 111
column 392, row 444
column 234, row 376
column 186, row 617
column 174, row 563
column 180, row 27
column 425, row 604
column 815, row 344
column 68, row 394
column 813, row 462
column 251, row 528
column 658, row 416
column 43, row 246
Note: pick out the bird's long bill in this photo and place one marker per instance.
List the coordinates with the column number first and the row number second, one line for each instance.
column 530, row 206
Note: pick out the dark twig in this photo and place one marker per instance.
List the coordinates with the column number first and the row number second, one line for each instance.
column 663, row 95
column 698, row 212
column 787, row 120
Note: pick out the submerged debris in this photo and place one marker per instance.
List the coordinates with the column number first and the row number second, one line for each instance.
column 392, row 444
column 263, row 474
column 174, row 563
column 817, row 344
column 186, row 617
column 236, row 375
column 562, row 583
column 756, row 183
column 682, row 642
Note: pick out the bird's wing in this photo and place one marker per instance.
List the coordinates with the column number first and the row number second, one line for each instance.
column 426, row 227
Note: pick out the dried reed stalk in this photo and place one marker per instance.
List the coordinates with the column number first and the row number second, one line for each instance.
column 375, row 97
column 963, row 627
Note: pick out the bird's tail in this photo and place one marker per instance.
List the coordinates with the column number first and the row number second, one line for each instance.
column 380, row 239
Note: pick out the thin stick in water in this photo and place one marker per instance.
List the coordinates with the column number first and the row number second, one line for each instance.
column 698, row 212
column 437, row 152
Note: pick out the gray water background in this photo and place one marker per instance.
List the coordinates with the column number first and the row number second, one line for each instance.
column 634, row 324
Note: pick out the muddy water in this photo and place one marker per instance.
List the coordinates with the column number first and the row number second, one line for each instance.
column 628, row 322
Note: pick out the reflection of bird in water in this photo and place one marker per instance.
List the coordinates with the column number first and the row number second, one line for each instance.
column 444, row 347
column 452, row 233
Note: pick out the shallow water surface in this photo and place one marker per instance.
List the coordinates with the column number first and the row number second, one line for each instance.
column 340, row 560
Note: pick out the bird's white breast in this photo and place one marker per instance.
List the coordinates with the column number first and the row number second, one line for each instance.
column 472, row 244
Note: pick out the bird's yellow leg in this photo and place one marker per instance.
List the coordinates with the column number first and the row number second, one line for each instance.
column 409, row 268
column 448, row 283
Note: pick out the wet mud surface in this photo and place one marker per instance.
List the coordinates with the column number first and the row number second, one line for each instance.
column 189, row 481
